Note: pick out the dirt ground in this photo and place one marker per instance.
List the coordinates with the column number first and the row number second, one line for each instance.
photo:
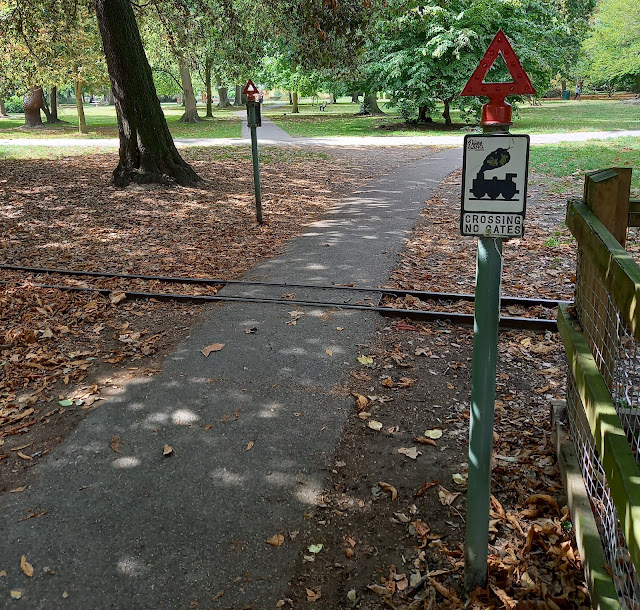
column 391, row 528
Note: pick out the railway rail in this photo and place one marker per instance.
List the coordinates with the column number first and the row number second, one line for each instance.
column 443, row 298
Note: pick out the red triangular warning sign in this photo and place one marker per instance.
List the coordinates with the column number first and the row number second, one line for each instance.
column 521, row 83
column 249, row 88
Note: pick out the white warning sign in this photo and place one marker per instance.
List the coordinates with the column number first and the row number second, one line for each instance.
column 494, row 185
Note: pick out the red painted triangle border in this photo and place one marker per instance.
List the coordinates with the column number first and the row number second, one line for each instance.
column 521, row 83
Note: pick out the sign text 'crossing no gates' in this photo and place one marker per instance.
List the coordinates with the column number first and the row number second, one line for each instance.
column 494, row 185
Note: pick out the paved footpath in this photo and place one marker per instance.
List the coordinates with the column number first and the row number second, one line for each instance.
column 271, row 135
column 136, row 530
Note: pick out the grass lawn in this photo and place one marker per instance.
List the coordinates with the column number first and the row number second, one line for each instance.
column 565, row 163
column 101, row 121
column 551, row 117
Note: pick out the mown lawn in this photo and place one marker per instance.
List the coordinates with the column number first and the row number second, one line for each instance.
column 550, row 117
column 101, row 122
column 566, row 162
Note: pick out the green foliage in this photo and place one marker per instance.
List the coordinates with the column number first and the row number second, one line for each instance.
column 612, row 51
column 13, row 104
column 427, row 52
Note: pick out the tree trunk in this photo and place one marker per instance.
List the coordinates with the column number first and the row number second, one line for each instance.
column 82, row 123
column 3, row 110
column 54, row 104
column 207, row 82
column 147, row 151
column 355, row 97
column 638, row 83
column 373, row 104
column 32, row 105
column 290, row 98
column 333, row 98
column 190, row 109
column 563, row 85
column 446, row 113
column 423, row 114
column 223, row 94
column 295, row 110
column 45, row 109
column 238, row 99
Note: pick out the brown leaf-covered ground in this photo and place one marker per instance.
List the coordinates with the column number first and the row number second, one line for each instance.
column 392, row 523
column 79, row 348
column 61, row 353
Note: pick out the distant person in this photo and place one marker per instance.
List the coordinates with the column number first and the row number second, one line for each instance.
column 578, row 94
column 91, row 99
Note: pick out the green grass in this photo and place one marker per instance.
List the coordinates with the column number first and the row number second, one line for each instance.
column 51, row 152
column 101, row 122
column 551, row 117
column 566, row 162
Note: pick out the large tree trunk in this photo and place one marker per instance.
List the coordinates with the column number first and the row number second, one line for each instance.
column 54, row 104
column 355, row 96
column 333, row 98
column 638, row 83
column 563, row 85
column 82, row 123
column 446, row 113
column 3, row 110
column 238, row 99
column 32, row 104
column 190, row 109
column 147, row 151
column 207, row 83
column 423, row 114
column 223, row 95
column 373, row 104
column 294, row 95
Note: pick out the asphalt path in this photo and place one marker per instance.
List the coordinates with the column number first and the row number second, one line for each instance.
column 272, row 135
column 253, row 429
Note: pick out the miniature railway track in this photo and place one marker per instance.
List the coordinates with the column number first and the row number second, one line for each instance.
column 413, row 314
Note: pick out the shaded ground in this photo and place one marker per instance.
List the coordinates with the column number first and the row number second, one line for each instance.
column 364, row 546
column 61, row 353
column 392, row 525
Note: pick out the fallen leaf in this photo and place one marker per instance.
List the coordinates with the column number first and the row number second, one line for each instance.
column 250, row 445
column 115, row 444
column 25, row 566
column 547, row 499
column 16, row 595
column 276, row 540
column 117, row 297
column 214, row 347
column 361, row 400
column 390, row 488
column 251, row 331
column 23, row 456
column 65, row 595
column 47, row 333
column 411, row 452
column 447, row 498
column 315, row 548
column 364, row 415
column 329, row 352
column 433, row 434
column 458, row 479
column 366, row 361
column 18, row 490
column 351, row 595
column 167, row 450
column 424, row 441
column 339, row 328
column 65, row 403
column 3, row 573
column 313, row 596
column 374, row 425
column 379, row 589
column 406, row 382
column 387, row 382
column 422, row 351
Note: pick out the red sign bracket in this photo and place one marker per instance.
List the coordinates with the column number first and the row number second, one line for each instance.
column 497, row 111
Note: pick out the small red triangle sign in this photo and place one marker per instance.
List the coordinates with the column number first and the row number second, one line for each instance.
column 521, row 83
column 250, row 88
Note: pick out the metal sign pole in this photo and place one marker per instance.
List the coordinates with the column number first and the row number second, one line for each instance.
column 252, row 120
column 492, row 208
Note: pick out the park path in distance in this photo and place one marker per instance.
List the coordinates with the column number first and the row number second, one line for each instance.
column 253, row 427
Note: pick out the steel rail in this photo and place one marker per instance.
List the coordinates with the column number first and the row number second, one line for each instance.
column 414, row 314
column 422, row 295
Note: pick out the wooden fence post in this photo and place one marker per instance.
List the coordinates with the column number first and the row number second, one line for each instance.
column 606, row 194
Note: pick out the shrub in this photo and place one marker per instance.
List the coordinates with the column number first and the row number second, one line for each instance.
column 13, row 104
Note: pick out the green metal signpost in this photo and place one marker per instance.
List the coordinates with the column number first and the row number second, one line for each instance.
column 493, row 208
column 254, row 120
